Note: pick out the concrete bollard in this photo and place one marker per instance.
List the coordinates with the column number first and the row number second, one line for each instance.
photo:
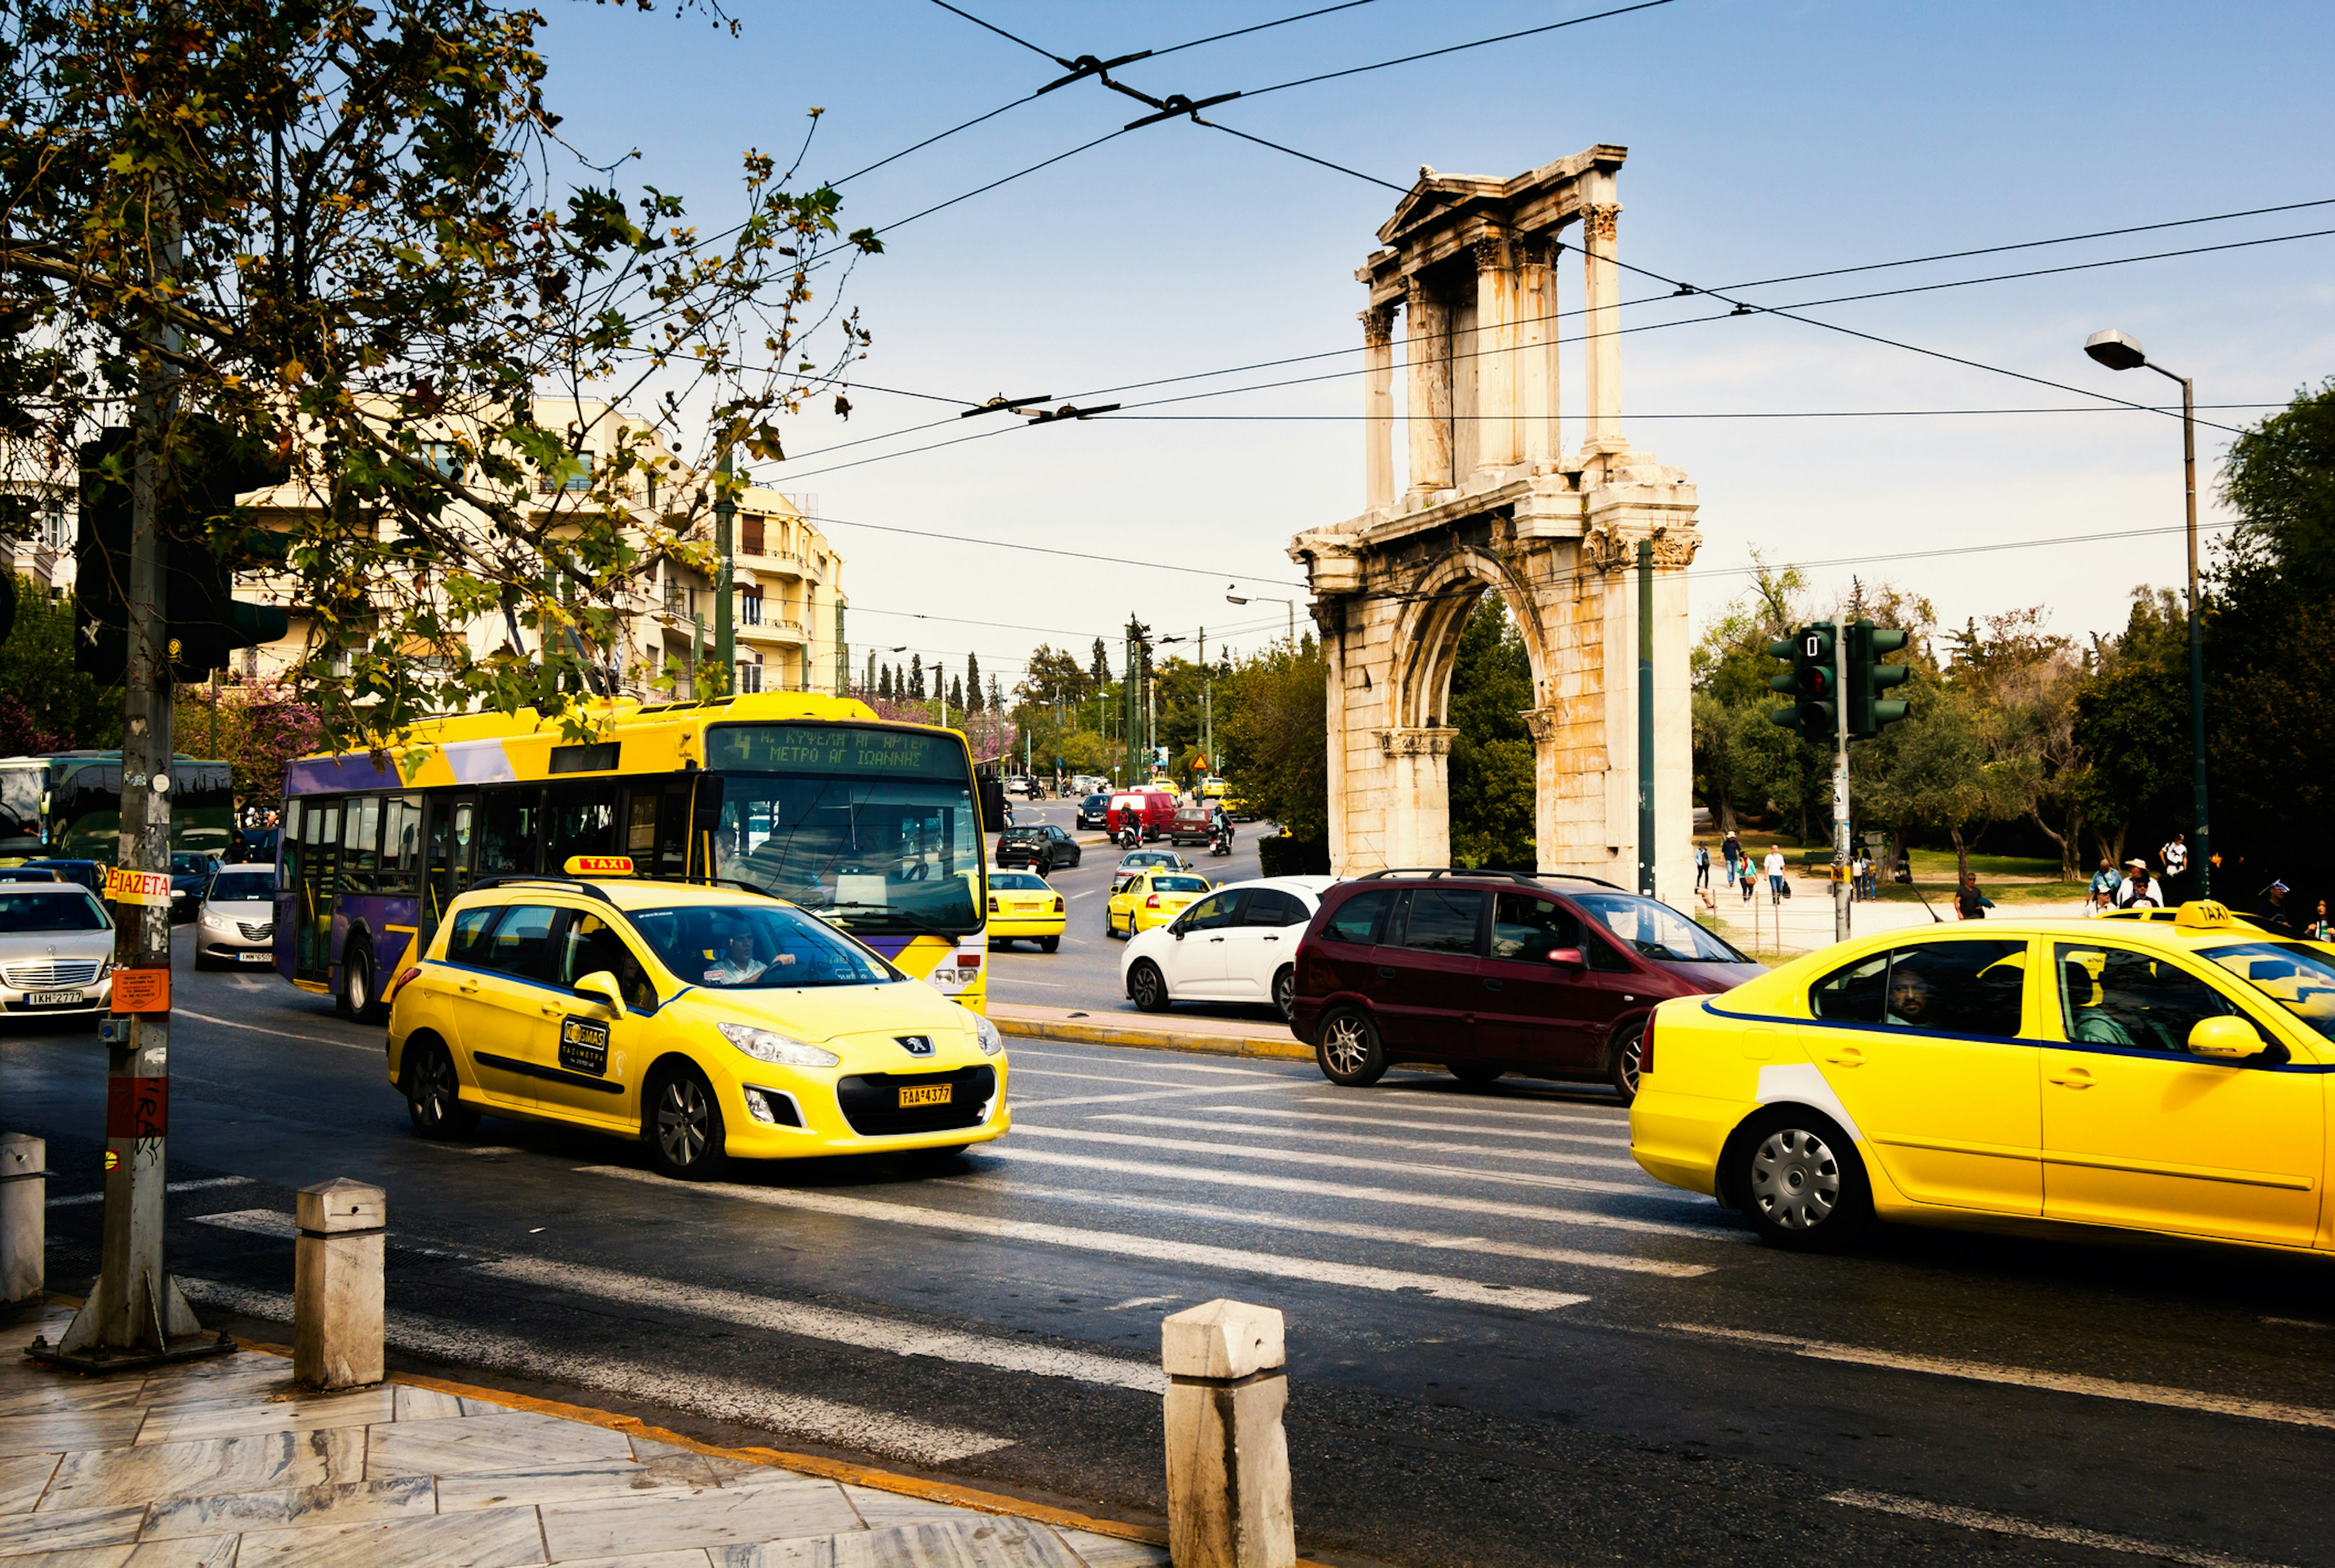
column 336, row 1310
column 24, row 1217
column 1227, row 1457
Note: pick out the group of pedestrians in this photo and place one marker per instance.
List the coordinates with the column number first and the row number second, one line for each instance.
column 1743, row 876
column 2133, row 886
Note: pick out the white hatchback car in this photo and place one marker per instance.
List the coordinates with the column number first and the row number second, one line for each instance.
column 56, row 950
column 236, row 925
column 1237, row 944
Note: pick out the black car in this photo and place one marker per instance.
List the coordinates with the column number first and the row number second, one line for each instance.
column 1042, row 848
column 1094, row 811
column 28, row 873
column 89, row 874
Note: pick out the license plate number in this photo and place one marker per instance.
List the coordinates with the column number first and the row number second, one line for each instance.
column 925, row 1094
column 255, row 957
column 584, row 1046
column 55, row 998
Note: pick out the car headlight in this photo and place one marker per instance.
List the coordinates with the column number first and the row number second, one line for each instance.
column 767, row 1045
column 986, row 1033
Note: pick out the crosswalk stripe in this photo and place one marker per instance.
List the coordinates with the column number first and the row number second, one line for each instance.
column 858, row 1330
column 722, row 1398
column 1439, row 1240
column 188, row 1186
column 1426, row 1126
column 258, row 1222
column 1180, row 1090
column 2012, row 1524
column 1426, row 1146
column 1259, row 1181
column 1151, row 1249
column 1343, row 1161
column 1420, row 1102
column 2022, row 1377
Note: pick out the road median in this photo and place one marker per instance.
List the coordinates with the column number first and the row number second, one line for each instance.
column 1210, row 1036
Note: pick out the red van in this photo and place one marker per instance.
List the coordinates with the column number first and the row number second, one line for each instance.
column 1154, row 811
column 1487, row 972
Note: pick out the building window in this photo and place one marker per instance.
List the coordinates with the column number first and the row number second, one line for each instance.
column 581, row 480
column 750, row 535
column 750, row 606
column 443, row 459
column 750, row 673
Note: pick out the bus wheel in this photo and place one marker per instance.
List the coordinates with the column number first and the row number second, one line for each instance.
column 359, row 995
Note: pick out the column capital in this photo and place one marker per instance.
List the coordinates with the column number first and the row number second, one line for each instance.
column 1416, row 742
column 1378, row 326
column 1491, row 252
column 1543, row 723
column 1600, row 222
column 1538, row 250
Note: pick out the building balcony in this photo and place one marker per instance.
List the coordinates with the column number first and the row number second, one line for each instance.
column 772, row 630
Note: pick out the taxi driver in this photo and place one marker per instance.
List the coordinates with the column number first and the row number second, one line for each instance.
column 738, row 965
column 1910, row 998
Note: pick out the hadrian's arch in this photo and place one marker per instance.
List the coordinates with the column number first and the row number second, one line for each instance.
column 1467, row 284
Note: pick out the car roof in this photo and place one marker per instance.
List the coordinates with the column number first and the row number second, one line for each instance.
column 625, row 893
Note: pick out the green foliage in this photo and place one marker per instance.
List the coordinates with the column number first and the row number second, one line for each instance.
column 1491, row 776
column 1273, row 726
column 61, row 708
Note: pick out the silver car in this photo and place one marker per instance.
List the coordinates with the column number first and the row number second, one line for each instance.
column 236, row 928
column 56, row 950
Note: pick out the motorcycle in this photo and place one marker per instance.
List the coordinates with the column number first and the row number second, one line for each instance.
column 1222, row 843
column 1129, row 836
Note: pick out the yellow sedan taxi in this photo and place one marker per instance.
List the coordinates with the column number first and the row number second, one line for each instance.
column 707, row 1023
column 2164, row 1077
column 1023, row 906
column 1152, row 897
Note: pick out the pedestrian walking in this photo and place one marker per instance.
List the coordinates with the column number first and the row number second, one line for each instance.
column 1969, row 902
column 1774, row 866
column 2175, row 856
column 1728, row 855
column 1743, row 873
column 2319, row 930
column 1703, row 868
column 2105, row 879
column 1730, row 848
column 2138, row 890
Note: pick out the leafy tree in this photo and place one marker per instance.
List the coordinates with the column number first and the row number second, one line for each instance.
column 972, row 682
column 956, row 692
column 260, row 728
column 1100, row 669
column 884, row 684
column 916, row 677
column 1491, row 766
column 1273, row 726
column 59, row 705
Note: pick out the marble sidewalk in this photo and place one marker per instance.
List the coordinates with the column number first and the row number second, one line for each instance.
column 227, row 1464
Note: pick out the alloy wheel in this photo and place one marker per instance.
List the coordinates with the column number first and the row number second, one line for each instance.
column 684, row 1122
column 1795, row 1179
column 434, row 1089
column 1346, row 1044
column 1285, row 993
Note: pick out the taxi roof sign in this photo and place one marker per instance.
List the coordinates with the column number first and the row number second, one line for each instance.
column 599, row 865
column 2202, row 914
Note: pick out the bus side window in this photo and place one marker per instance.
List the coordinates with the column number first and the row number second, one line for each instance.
column 400, row 844
column 512, row 824
column 673, row 827
column 361, row 844
column 582, row 821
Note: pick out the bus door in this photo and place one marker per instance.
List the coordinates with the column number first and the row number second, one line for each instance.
column 453, row 842
column 318, row 886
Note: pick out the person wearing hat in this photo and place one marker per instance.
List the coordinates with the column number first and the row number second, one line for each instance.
column 2138, row 890
column 2274, row 913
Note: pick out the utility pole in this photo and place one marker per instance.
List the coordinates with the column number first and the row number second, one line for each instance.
column 1646, row 848
column 1840, row 889
column 1131, row 702
column 135, row 1314
column 1208, row 728
column 725, row 634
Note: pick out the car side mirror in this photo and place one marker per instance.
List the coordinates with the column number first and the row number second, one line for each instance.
column 2227, row 1037
column 601, row 986
column 1569, row 957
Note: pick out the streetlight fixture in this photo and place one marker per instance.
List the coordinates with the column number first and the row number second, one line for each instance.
column 2122, row 351
column 1232, row 598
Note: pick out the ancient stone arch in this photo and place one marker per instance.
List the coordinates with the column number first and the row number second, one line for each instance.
column 1493, row 503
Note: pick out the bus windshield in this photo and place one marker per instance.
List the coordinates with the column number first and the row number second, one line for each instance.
column 877, row 830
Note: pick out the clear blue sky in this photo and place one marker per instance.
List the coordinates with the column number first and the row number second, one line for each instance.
column 1764, row 139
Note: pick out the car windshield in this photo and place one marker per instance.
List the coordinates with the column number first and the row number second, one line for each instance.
column 2297, row 976
column 184, row 864
column 67, row 909
column 1656, row 930
column 243, row 887
column 1179, row 885
column 756, row 947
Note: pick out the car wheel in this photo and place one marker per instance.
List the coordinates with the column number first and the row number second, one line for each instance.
column 1050, row 944
column 1146, row 987
column 1284, row 992
column 1350, row 1052
column 359, row 997
column 1622, row 1072
column 683, row 1125
column 433, row 1093
column 1474, row 1073
column 1800, row 1181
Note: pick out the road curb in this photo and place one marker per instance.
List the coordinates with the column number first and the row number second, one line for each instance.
column 1083, row 1034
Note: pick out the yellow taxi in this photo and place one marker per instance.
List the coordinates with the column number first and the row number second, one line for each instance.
column 1023, row 906
column 2165, row 1076
column 706, row 1022
column 1152, row 897
column 1212, row 788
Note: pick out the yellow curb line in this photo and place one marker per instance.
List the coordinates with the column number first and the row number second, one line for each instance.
column 1153, row 1039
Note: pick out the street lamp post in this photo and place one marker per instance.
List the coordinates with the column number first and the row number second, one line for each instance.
column 2121, row 350
column 1270, row 599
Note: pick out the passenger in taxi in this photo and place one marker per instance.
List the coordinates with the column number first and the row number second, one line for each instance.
column 1910, row 996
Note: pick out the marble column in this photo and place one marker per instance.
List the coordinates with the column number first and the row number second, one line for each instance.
column 1493, row 361
column 1603, row 355
column 1377, row 407
column 1537, row 361
column 1427, row 345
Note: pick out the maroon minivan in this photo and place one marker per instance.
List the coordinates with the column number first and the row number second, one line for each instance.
column 1491, row 971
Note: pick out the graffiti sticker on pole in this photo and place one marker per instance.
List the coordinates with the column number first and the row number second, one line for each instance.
column 150, row 888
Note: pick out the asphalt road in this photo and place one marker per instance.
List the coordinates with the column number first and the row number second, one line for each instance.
column 1508, row 1347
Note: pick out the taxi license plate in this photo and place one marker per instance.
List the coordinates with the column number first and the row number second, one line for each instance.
column 55, row 999
column 255, row 956
column 584, row 1046
column 924, row 1094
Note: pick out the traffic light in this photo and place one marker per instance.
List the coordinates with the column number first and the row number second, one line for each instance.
column 206, row 623
column 1813, row 682
column 1867, row 712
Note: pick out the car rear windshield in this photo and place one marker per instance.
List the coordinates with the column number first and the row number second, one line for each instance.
column 2297, row 977
column 243, row 887
column 1179, row 885
column 1016, row 881
column 67, row 909
column 1656, row 930
column 1022, row 834
column 734, row 947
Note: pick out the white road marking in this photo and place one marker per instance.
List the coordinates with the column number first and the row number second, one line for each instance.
column 1440, row 1240
column 1150, row 1063
column 2026, row 1378
column 1424, row 1145
column 1421, row 1103
column 1342, row 1161
column 2009, row 1524
column 258, row 1222
column 2298, row 1324
column 723, row 1398
column 1133, row 1302
column 1427, row 1125
column 1083, row 892
column 1151, row 1249
column 1441, row 1203
column 1148, row 1094
column 98, row 1197
column 281, row 1034
column 1040, row 984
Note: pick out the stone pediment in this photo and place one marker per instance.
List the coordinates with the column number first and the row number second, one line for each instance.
column 1436, row 196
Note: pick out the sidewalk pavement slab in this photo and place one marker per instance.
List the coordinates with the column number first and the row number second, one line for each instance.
column 1153, row 1032
column 228, row 1464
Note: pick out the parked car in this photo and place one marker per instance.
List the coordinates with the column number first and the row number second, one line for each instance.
column 1043, row 847
column 1239, row 943
column 1152, row 811
column 1192, row 825
column 1094, row 810
column 89, row 873
column 235, row 926
column 56, row 950
column 1489, row 973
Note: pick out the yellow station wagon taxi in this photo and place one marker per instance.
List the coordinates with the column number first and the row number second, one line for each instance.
column 2167, row 1077
column 1023, row 905
column 1150, row 898
column 706, row 1022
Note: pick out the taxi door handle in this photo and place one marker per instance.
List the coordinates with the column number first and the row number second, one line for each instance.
column 1215, row 939
column 2071, row 1077
column 466, row 987
column 552, row 1010
column 1847, row 1056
